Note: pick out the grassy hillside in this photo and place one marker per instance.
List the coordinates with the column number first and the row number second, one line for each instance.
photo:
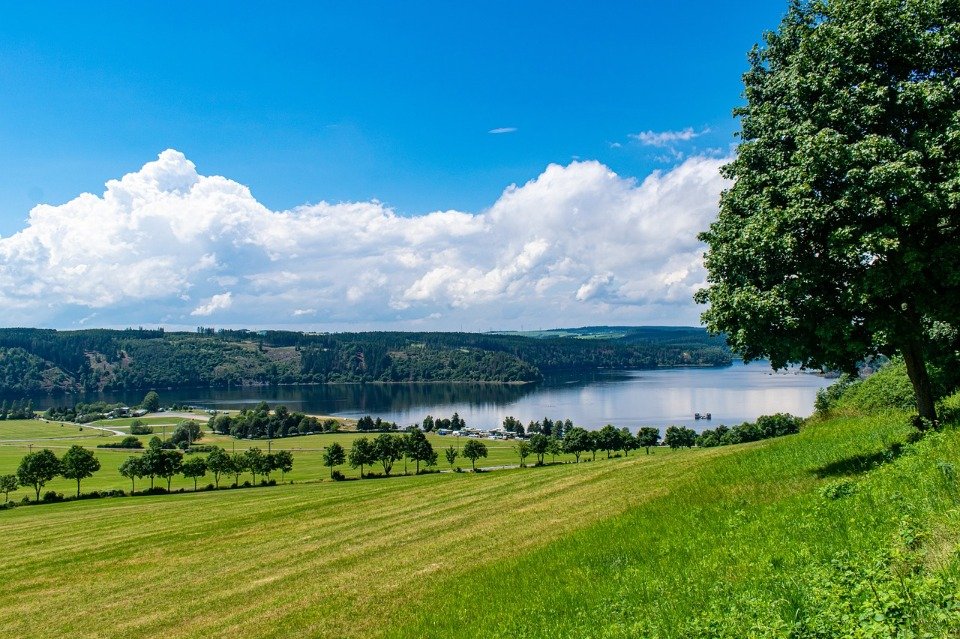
column 842, row 530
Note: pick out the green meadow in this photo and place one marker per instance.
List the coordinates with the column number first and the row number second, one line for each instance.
column 842, row 530
column 18, row 437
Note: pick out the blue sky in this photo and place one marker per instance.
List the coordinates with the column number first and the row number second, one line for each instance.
column 356, row 102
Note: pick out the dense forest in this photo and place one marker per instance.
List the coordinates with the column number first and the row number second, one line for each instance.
column 41, row 360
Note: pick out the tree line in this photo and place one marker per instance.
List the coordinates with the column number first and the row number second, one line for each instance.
column 261, row 422
column 38, row 468
column 39, row 360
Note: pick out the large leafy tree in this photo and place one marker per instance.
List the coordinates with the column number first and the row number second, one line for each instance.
column 840, row 236
column 79, row 463
column 362, row 454
column 37, row 468
column 474, row 450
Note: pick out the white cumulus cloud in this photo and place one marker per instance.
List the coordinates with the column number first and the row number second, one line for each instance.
column 214, row 304
column 578, row 244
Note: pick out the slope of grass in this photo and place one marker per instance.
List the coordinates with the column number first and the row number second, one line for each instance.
column 756, row 544
column 740, row 541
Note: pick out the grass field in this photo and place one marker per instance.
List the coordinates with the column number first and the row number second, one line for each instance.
column 663, row 545
column 16, row 438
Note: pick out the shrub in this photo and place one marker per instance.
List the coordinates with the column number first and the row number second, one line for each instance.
column 836, row 490
column 52, row 496
column 127, row 442
column 137, row 427
column 337, row 476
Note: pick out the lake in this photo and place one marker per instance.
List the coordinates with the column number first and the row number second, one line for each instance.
column 741, row 392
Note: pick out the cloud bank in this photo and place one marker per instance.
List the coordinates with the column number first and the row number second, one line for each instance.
column 166, row 245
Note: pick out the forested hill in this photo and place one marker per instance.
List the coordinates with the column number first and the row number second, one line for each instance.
column 39, row 360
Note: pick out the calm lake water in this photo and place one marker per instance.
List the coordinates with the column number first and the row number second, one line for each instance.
column 623, row 398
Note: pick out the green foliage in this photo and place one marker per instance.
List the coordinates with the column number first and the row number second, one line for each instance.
column 680, row 437
column 194, row 468
column 8, row 484
column 838, row 489
column 186, row 432
column 647, row 437
column 888, row 388
column 539, row 446
column 837, row 239
column 37, row 468
column 133, row 468
column 34, row 360
column 362, row 453
column 151, row 402
column 283, row 461
column 138, row 427
column 127, row 442
column 387, row 449
column 419, row 449
column 451, row 454
column 474, row 450
column 765, row 427
column 577, row 441
column 523, row 451
column 78, row 463
column 333, row 456
column 219, row 463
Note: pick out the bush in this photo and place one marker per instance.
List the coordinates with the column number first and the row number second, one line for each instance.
column 52, row 496
column 338, row 476
column 127, row 442
column 836, row 490
column 888, row 388
column 137, row 427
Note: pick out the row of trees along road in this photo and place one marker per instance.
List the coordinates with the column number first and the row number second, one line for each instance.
column 839, row 237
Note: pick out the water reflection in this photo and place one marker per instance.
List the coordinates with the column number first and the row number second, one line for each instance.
column 622, row 398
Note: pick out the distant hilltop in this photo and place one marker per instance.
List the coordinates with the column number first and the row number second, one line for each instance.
column 43, row 360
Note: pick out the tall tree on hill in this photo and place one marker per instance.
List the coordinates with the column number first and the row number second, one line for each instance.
column 78, row 463
column 839, row 237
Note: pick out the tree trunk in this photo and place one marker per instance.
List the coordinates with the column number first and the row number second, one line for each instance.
column 920, row 379
column 78, row 489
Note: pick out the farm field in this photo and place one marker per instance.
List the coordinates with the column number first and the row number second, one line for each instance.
column 636, row 546
column 15, row 442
